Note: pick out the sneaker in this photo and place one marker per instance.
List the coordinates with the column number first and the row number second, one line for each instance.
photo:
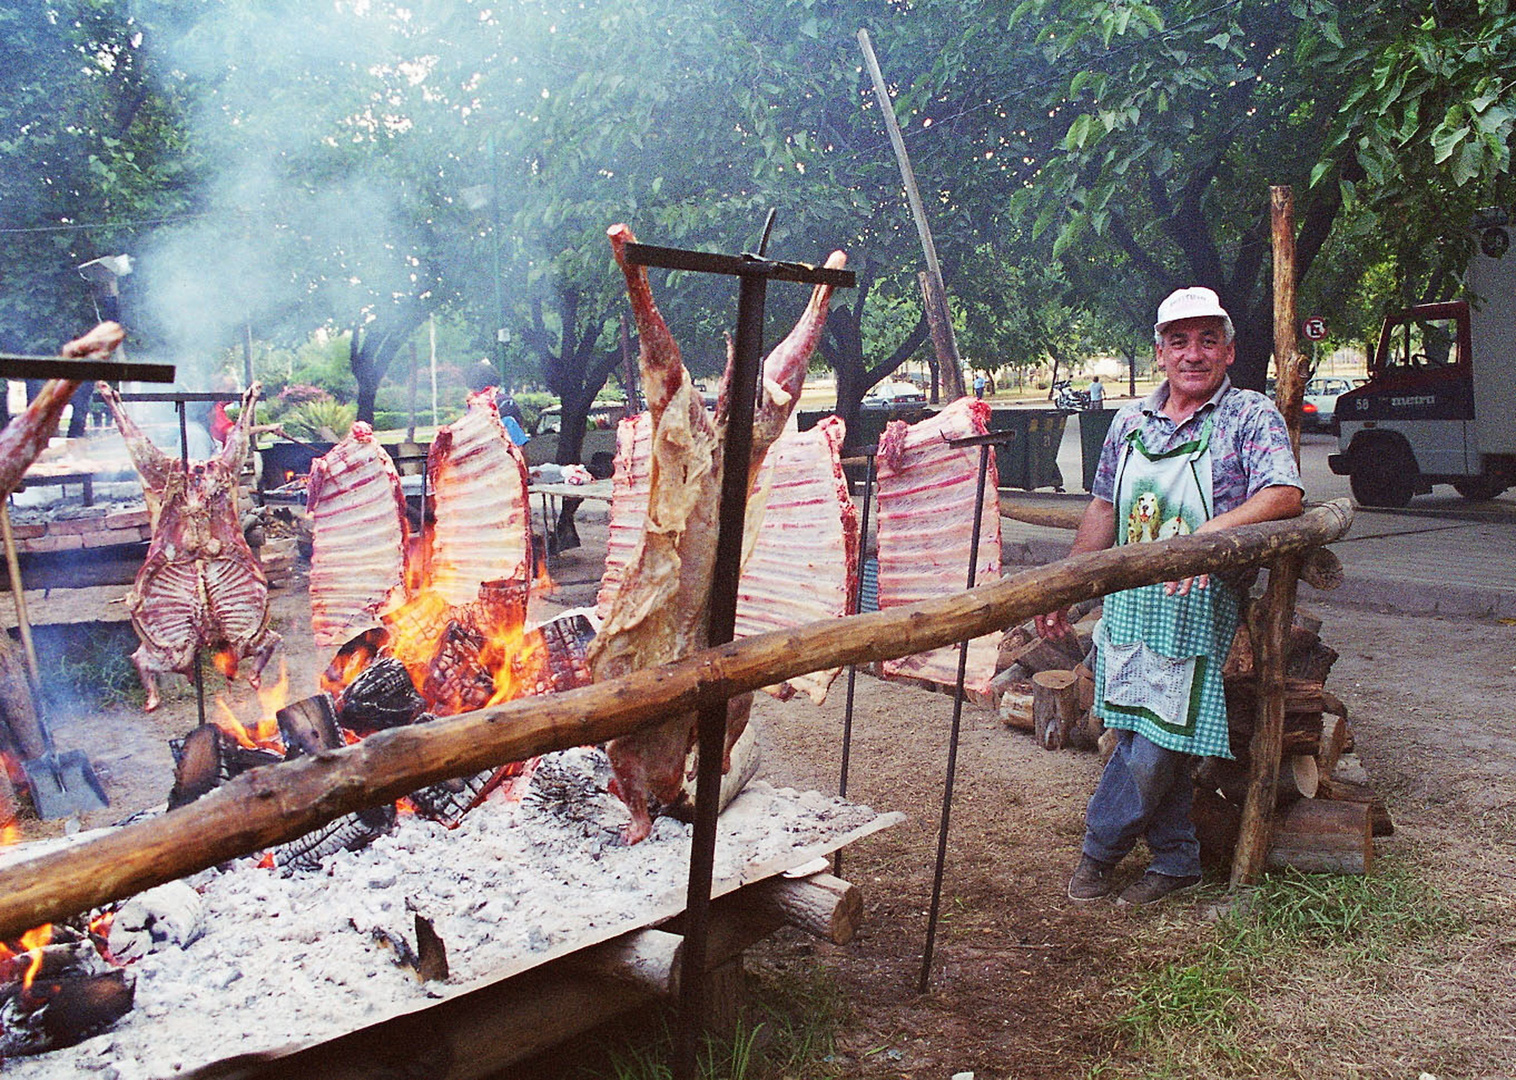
column 1153, row 886
column 1091, row 880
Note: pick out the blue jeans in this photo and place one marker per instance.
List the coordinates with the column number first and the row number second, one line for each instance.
column 1145, row 790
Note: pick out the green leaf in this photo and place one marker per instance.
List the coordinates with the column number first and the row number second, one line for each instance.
column 1330, row 31
column 1321, row 169
column 1221, row 41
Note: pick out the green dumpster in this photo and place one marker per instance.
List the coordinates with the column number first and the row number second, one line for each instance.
column 1093, row 425
column 1030, row 459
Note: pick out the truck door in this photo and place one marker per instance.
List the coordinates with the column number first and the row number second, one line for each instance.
column 1421, row 386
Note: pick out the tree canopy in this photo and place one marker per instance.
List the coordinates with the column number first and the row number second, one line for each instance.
column 362, row 165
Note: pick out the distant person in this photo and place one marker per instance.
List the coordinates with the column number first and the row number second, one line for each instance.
column 482, row 377
column 979, row 384
column 1097, row 393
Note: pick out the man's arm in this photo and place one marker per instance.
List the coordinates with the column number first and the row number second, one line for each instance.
column 1097, row 531
column 1274, row 503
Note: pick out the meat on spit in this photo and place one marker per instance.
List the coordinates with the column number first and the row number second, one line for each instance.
column 27, row 435
column 358, row 537
column 200, row 585
column 661, row 610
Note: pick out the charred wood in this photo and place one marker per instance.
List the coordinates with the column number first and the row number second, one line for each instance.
column 309, row 726
column 348, row 833
column 198, row 767
column 54, row 1013
column 380, row 696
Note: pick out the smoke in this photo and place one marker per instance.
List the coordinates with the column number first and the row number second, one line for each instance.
column 308, row 176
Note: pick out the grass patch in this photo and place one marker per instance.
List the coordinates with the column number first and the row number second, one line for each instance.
column 1184, row 1015
column 87, row 663
column 787, row 1029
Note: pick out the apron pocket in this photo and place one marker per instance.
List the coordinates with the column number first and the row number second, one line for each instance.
column 1137, row 678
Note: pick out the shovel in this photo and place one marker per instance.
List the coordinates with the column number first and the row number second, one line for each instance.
column 60, row 784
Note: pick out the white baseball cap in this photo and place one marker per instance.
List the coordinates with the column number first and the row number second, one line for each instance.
column 1195, row 302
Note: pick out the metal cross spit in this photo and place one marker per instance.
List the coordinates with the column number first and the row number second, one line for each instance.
column 754, row 273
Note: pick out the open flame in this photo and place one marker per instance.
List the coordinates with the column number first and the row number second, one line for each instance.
column 263, row 733
column 29, row 952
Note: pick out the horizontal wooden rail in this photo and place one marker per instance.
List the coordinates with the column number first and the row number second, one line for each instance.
column 277, row 803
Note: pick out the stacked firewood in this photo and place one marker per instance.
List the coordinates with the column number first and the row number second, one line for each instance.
column 1325, row 813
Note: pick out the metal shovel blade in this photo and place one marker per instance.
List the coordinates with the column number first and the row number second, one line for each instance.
column 63, row 784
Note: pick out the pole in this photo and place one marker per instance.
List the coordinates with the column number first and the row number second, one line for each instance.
column 247, row 353
column 952, row 762
column 431, row 337
column 1289, row 391
column 736, row 450
column 852, row 669
column 952, row 369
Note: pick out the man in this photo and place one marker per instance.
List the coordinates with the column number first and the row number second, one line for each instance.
column 1197, row 455
column 979, row 384
column 1097, row 393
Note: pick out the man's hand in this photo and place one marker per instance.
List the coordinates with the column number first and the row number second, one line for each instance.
column 1053, row 625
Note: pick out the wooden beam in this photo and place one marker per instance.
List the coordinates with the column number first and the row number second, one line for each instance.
column 276, row 803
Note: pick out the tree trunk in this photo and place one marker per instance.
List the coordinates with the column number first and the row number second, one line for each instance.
column 1055, row 708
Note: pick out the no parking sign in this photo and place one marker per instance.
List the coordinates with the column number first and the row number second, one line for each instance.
column 1314, row 328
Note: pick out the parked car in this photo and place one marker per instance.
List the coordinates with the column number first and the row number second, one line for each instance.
column 1321, row 393
column 893, row 393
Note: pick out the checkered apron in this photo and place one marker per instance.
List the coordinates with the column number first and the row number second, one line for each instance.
column 1158, row 661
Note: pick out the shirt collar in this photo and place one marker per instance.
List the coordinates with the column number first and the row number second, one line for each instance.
column 1154, row 402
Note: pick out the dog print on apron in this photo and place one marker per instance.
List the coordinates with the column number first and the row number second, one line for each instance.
column 1158, row 658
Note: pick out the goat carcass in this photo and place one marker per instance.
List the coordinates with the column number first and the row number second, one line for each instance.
column 661, row 610
column 200, row 586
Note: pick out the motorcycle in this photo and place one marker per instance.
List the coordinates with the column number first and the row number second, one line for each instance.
column 1067, row 399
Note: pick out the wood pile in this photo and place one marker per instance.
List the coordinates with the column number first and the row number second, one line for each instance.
column 1325, row 811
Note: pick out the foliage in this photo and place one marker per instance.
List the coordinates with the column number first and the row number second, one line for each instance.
column 321, row 420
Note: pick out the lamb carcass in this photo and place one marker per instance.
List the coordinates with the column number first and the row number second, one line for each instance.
column 358, row 540
column 926, row 517
column 478, row 480
column 661, row 610
column 200, row 586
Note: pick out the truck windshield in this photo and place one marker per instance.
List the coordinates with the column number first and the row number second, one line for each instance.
column 1420, row 345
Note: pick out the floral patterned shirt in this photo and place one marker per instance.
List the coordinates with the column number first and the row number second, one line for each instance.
column 1250, row 445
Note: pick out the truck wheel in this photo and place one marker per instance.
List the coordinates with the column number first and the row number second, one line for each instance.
column 1384, row 474
column 1479, row 488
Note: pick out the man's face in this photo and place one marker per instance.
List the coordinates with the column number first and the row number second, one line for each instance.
column 1194, row 354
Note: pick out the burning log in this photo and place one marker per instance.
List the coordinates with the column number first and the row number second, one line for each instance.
column 54, row 1013
column 347, row 833
column 381, row 696
column 309, row 726
column 266, row 806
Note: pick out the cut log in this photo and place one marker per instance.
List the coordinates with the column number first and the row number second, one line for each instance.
column 1012, row 692
column 1348, row 791
column 1334, row 740
column 647, row 960
column 1045, row 654
column 1298, row 779
column 1228, row 777
column 1323, row 570
column 1320, row 836
column 822, row 905
column 263, row 807
column 1055, row 708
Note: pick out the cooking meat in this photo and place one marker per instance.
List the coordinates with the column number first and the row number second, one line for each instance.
column 27, row 435
column 661, row 610
column 478, row 480
column 631, row 475
column 926, row 514
column 200, row 585
column 804, row 564
column 358, row 541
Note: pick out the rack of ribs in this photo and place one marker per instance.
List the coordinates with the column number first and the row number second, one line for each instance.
column 358, row 537
column 200, row 585
column 478, row 481
column 661, row 609
column 926, row 517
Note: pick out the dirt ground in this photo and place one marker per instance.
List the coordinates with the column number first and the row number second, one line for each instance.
column 1025, row 983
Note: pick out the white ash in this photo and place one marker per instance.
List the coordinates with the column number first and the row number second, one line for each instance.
column 287, row 961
